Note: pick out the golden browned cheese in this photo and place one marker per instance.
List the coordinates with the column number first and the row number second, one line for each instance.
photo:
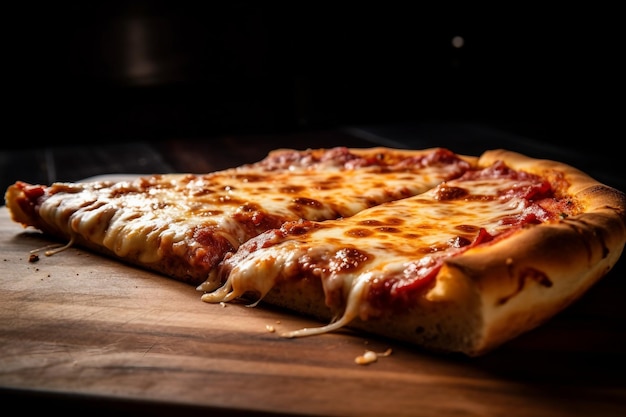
column 182, row 225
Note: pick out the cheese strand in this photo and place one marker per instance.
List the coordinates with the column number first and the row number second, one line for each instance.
column 351, row 311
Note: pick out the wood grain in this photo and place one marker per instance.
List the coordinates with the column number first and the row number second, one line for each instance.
column 78, row 330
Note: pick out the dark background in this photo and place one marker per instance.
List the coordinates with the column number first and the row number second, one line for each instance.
column 147, row 70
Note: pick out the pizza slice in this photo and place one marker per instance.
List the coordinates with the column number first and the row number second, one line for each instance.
column 182, row 225
column 462, row 267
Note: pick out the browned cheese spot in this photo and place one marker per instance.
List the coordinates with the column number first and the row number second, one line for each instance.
column 359, row 232
column 394, row 221
column 300, row 205
column 445, row 192
column 371, row 222
column 347, row 259
column 329, row 183
column 291, row 189
column 467, row 228
column 410, row 235
column 388, row 229
column 309, row 202
column 250, row 177
column 249, row 207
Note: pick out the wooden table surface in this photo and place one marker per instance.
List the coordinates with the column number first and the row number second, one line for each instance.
column 80, row 332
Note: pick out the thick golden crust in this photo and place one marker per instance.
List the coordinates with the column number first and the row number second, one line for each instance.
column 528, row 277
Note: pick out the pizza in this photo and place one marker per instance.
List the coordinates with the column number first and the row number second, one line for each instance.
column 450, row 252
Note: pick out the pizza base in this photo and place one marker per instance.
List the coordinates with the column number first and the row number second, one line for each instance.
column 494, row 293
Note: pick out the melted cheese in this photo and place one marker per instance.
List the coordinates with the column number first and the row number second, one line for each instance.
column 153, row 218
column 403, row 239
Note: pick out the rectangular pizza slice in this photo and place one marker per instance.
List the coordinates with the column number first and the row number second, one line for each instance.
column 463, row 267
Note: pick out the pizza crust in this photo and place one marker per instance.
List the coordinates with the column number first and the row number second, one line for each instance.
column 527, row 278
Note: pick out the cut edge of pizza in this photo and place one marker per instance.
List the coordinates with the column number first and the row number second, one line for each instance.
column 464, row 267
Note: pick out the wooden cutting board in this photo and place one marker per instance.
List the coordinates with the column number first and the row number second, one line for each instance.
column 88, row 330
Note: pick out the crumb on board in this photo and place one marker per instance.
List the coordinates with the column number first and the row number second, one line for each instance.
column 270, row 328
column 370, row 357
